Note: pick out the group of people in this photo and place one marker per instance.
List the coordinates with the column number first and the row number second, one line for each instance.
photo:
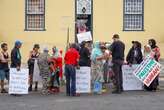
column 104, row 60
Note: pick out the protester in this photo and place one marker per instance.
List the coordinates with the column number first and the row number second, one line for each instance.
column 16, row 55
column 135, row 54
column 71, row 62
column 43, row 63
column 117, row 48
column 85, row 55
column 56, row 69
column 97, row 67
column 4, row 67
column 153, row 50
column 34, row 54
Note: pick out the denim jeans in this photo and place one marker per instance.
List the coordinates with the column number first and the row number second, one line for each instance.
column 70, row 73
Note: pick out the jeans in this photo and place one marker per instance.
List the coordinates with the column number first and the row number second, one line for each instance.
column 70, row 73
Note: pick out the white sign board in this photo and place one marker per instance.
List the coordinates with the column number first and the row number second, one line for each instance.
column 83, row 80
column 86, row 36
column 130, row 82
column 18, row 83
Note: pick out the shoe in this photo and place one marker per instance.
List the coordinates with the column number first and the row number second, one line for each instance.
column 3, row 91
column 30, row 88
column 76, row 95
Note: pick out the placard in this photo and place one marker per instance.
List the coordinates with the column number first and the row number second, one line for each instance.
column 147, row 71
column 130, row 82
column 83, row 80
column 86, row 36
column 18, row 83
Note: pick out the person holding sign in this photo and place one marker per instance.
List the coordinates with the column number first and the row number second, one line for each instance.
column 16, row 55
column 135, row 54
column 4, row 68
column 154, row 52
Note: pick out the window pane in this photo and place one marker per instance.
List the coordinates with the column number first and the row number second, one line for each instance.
column 35, row 6
column 133, row 6
column 133, row 22
column 35, row 22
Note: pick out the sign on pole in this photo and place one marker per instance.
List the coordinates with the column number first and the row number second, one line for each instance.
column 130, row 82
column 86, row 36
column 83, row 80
column 18, row 83
column 147, row 71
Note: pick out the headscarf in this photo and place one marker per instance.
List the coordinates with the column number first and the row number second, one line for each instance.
column 56, row 54
column 96, row 52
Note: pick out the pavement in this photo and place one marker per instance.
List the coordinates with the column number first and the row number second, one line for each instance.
column 130, row 100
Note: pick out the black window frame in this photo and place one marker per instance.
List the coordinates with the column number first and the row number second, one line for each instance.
column 26, row 15
column 124, row 29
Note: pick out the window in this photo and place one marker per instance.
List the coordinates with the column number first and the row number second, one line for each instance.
column 35, row 15
column 133, row 15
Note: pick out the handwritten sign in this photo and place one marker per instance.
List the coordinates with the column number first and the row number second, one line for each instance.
column 86, row 36
column 83, row 80
column 147, row 71
column 18, row 83
column 97, row 87
column 130, row 82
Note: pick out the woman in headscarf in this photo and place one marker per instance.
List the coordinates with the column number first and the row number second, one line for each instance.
column 156, row 55
column 97, row 68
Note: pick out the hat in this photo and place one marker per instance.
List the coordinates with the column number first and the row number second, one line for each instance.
column 45, row 49
column 17, row 43
column 116, row 36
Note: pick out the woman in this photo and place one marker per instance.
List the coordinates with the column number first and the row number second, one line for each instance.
column 135, row 54
column 156, row 55
column 34, row 54
column 97, row 68
column 85, row 55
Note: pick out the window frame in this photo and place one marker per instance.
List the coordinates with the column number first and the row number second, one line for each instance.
column 124, row 14
column 26, row 14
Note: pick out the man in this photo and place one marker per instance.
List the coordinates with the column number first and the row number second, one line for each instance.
column 16, row 55
column 71, row 61
column 43, row 63
column 4, row 68
column 117, row 48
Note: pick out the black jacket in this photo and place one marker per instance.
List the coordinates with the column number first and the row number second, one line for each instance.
column 15, row 58
column 130, row 57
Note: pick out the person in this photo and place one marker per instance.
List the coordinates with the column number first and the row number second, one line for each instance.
column 97, row 68
column 135, row 54
column 85, row 55
column 71, row 60
column 43, row 63
column 16, row 55
column 4, row 67
column 154, row 51
column 56, row 64
column 117, row 49
column 34, row 54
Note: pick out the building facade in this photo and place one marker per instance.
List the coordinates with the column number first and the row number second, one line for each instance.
column 47, row 21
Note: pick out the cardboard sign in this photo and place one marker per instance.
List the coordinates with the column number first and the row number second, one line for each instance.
column 147, row 71
column 86, row 36
column 130, row 82
column 18, row 83
column 83, row 80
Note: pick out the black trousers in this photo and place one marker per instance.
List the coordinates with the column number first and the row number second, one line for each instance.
column 117, row 69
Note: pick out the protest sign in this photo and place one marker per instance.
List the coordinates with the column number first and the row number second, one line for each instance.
column 83, row 80
column 18, row 83
column 86, row 36
column 147, row 71
column 130, row 82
